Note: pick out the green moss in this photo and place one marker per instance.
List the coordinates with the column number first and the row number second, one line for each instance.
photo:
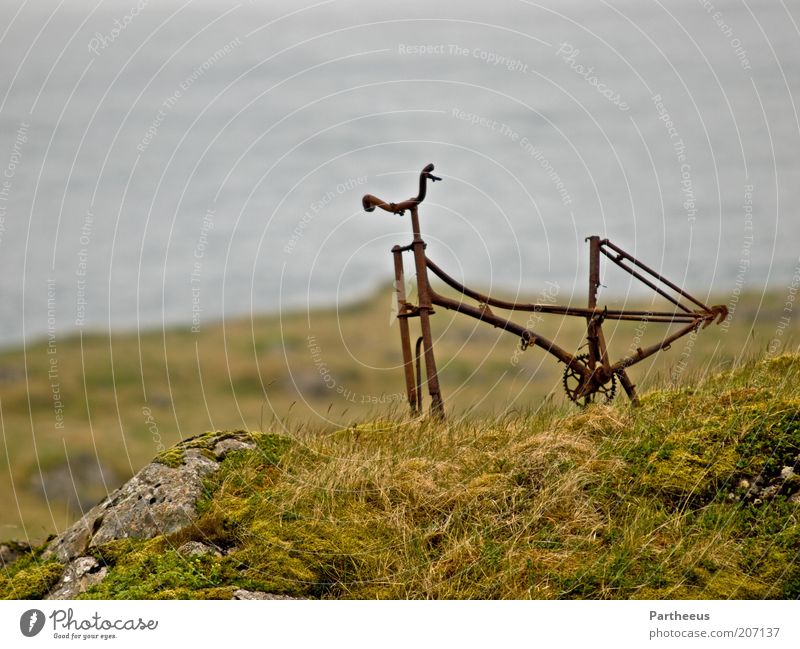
column 172, row 457
column 773, row 440
column 209, row 439
column 790, row 584
column 311, row 557
column 606, row 503
column 29, row 577
column 700, row 446
column 205, row 443
column 278, row 550
column 154, row 570
column 271, row 447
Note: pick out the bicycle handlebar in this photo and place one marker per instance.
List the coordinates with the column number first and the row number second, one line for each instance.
column 370, row 202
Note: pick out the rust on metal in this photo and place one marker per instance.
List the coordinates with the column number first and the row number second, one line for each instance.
column 587, row 376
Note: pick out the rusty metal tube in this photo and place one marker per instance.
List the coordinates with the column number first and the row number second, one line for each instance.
column 507, row 325
column 593, row 334
column 405, row 338
column 649, row 270
column 649, row 351
column 425, row 308
column 628, row 386
column 370, row 202
column 610, row 314
column 646, row 281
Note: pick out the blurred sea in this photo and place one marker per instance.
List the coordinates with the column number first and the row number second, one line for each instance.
column 172, row 163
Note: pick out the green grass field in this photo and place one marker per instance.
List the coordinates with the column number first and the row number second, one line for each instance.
column 693, row 494
column 80, row 416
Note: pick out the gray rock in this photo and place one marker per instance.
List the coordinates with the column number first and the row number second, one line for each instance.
column 771, row 491
column 256, row 594
column 225, row 446
column 10, row 552
column 157, row 500
column 195, row 548
column 753, row 492
column 79, row 575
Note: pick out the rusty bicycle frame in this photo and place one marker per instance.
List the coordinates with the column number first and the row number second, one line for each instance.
column 586, row 375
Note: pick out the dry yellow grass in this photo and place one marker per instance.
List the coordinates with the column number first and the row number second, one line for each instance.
column 610, row 502
column 126, row 396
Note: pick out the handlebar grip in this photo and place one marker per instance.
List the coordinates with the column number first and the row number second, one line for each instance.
column 370, row 202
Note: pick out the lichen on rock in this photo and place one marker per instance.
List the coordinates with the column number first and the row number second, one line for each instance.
column 79, row 575
column 161, row 499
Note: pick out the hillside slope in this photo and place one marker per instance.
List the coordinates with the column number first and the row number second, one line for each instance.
column 695, row 494
column 126, row 395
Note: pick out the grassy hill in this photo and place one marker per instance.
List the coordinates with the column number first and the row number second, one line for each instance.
column 695, row 494
column 125, row 397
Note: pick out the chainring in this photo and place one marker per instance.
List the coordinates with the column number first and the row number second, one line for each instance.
column 572, row 383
